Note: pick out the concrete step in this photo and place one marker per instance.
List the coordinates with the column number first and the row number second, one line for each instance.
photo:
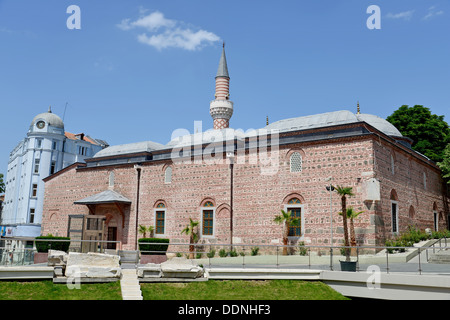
column 133, row 298
column 442, row 257
column 129, row 284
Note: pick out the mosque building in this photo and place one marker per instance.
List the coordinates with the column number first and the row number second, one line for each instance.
column 234, row 183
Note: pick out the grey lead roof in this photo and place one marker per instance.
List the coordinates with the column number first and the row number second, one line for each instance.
column 293, row 124
column 222, row 71
column 332, row 119
column 107, row 196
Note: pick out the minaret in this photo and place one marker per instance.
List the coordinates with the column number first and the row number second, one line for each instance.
column 221, row 109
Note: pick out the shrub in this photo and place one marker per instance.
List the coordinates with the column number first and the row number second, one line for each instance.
column 233, row 253
column 44, row 246
column 211, row 253
column 155, row 244
column 254, row 251
column 301, row 248
column 222, row 253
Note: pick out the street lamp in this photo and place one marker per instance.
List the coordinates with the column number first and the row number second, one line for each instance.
column 230, row 156
column 331, row 189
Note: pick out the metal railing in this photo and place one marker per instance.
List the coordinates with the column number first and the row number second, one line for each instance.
column 20, row 251
column 390, row 259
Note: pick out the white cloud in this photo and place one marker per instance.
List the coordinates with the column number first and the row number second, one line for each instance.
column 406, row 15
column 167, row 33
column 432, row 13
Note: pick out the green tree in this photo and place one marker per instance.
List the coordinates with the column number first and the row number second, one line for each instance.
column 429, row 132
column 445, row 164
column 352, row 214
column 2, row 184
column 143, row 230
column 344, row 192
column 193, row 236
column 287, row 219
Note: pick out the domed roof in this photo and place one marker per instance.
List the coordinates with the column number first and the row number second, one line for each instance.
column 379, row 123
column 332, row 119
column 49, row 117
column 144, row 146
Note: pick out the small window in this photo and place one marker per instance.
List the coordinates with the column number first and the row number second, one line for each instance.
column 394, row 212
column 34, row 190
column 31, row 219
column 424, row 180
column 82, row 150
column 168, row 175
column 38, row 143
column 160, row 221
column 53, row 167
column 436, row 220
column 208, row 219
column 55, row 145
column 296, row 162
column 36, row 165
column 294, row 201
column 111, row 179
column 296, row 228
column 392, row 164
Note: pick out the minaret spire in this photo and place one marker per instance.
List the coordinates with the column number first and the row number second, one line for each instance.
column 221, row 108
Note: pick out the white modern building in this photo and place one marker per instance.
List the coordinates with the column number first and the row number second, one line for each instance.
column 46, row 149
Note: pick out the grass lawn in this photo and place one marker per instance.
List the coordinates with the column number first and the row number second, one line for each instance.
column 47, row 290
column 241, row 290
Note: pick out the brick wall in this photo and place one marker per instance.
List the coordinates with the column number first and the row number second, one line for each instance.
column 257, row 198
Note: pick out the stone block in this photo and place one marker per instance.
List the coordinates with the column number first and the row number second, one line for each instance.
column 150, row 270
column 180, row 268
column 57, row 258
column 92, row 265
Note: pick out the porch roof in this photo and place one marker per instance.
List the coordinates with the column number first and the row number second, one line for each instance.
column 107, row 196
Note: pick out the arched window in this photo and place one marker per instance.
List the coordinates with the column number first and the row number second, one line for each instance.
column 392, row 164
column 208, row 219
column 424, row 180
column 295, row 207
column 160, row 218
column 111, row 179
column 168, row 175
column 296, row 162
column 394, row 211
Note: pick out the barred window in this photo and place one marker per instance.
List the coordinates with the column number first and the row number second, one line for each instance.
column 296, row 162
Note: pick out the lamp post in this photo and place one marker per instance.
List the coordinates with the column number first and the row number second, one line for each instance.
column 230, row 156
column 331, row 189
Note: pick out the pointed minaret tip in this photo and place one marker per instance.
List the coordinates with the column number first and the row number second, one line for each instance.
column 358, row 111
column 267, row 120
column 222, row 71
column 49, row 109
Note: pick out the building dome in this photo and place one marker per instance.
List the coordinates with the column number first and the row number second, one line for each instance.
column 379, row 123
column 50, row 118
column 332, row 119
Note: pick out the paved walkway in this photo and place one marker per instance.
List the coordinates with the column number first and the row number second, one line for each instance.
column 129, row 283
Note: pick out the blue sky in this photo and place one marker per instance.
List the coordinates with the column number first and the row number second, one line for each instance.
column 138, row 70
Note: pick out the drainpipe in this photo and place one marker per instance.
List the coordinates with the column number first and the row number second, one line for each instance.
column 138, row 170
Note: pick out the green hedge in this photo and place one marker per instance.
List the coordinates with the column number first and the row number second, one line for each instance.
column 44, row 246
column 160, row 248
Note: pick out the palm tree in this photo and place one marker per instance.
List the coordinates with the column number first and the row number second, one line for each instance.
column 143, row 230
column 287, row 219
column 344, row 192
column 352, row 214
column 193, row 236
